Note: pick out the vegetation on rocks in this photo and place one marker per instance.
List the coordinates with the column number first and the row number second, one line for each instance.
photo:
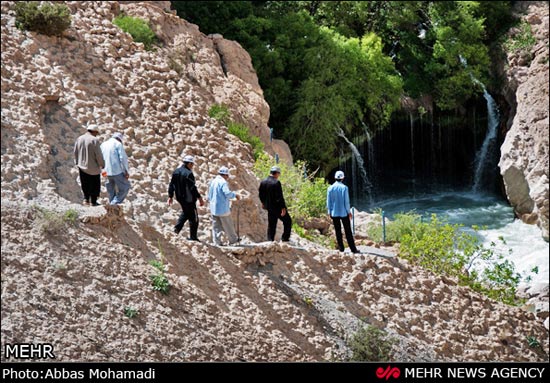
column 370, row 344
column 46, row 18
column 53, row 222
column 138, row 28
column 305, row 194
column 159, row 281
column 446, row 249
column 222, row 114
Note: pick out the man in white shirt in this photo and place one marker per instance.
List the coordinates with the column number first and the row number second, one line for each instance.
column 219, row 196
column 116, row 169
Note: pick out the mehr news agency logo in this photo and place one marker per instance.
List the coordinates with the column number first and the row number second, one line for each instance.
column 446, row 372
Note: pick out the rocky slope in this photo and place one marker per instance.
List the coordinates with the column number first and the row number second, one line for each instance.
column 524, row 154
column 68, row 283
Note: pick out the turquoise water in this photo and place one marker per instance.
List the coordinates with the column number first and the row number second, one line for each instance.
column 468, row 208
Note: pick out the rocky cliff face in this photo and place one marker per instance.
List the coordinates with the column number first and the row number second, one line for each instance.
column 70, row 283
column 524, row 153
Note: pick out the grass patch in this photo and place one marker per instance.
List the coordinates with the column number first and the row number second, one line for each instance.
column 523, row 40
column 52, row 222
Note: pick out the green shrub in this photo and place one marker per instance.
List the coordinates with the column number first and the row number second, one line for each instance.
column 523, row 40
column 242, row 132
column 52, row 222
column 158, row 280
column 130, row 312
column 70, row 216
column 138, row 28
column 157, row 265
column 446, row 249
column 222, row 114
column 305, row 195
column 160, row 283
column 402, row 223
column 370, row 344
column 48, row 19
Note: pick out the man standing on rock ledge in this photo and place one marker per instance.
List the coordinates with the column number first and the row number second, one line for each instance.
column 339, row 210
column 219, row 196
column 116, row 169
column 183, row 185
column 89, row 160
column 271, row 195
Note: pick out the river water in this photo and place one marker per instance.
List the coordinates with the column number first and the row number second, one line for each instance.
column 529, row 250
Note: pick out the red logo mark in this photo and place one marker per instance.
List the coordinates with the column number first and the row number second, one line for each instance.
column 389, row 372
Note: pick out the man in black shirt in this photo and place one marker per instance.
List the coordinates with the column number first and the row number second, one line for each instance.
column 183, row 185
column 271, row 195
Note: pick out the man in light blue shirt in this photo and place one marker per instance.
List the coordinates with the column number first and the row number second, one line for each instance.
column 219, row 196
column 339, row 210
column 116, row 169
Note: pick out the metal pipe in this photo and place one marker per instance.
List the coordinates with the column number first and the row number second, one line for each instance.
column 383, row 226
column 353, row 220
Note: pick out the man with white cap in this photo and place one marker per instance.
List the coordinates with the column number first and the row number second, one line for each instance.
column 116, row 169
column 183, row 186
column 271, row 196
column 219, row 196
column 339, row 210
column 89, row 160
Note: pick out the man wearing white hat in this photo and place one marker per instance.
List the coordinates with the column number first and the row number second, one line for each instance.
column 183, row 186
column 116, row 169
column 339, row 210
column 219, row 196
column 89, row 160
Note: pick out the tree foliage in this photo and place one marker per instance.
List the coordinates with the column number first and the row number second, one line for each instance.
column 327, row 66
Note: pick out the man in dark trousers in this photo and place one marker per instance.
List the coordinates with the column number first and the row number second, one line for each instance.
column 89, row 160
column 271, row 195
column 183, row 185
column 338, row 207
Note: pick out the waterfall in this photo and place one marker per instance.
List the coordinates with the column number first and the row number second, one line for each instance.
column 486, row 157
column 371, row 155
column 361, row 182
column 412, row 143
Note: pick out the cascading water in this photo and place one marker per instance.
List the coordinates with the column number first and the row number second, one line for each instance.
column 361, row 183
column 485, row 160
column 371, row 155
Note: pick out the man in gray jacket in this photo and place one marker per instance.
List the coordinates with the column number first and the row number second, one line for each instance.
column 89, row 160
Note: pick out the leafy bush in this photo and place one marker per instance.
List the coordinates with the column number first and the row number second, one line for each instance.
column 138, row 28
column 48, row 19
column 403, row 223
column 222, row 114
column 160, row 283
column 158, row 280
column 370, row 344
column 70, row 216
column 523, row 40
column 305, row 195
column 446, row 249
column 130, row 312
